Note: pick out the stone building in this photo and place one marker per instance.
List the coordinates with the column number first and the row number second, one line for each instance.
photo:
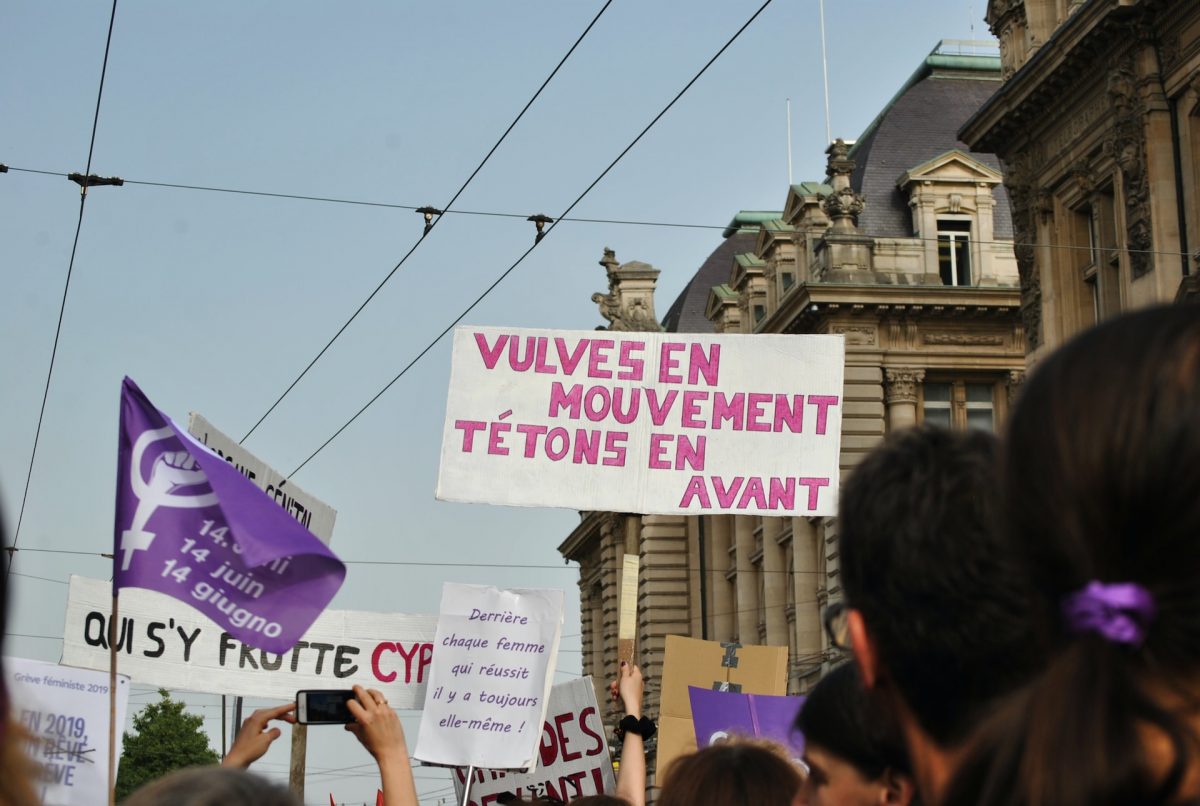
column 906, row 249
column 1098, row 126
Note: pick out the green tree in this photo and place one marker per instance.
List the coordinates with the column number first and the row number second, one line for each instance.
column 165, row 738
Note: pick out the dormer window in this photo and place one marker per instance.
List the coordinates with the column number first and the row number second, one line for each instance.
column 954, row 251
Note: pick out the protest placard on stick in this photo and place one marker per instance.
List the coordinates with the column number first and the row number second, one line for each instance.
column 65, row 715
column 627, row 613
column 491, row 677
column 652, row 423
column 573, row 759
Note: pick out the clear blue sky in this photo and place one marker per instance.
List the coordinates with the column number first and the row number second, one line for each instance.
column 214, row 302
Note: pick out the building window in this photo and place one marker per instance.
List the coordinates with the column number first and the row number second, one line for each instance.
column 787, row 279
column 760, row 313
column 1098, row 259
column 960, row 404
column 954, row 251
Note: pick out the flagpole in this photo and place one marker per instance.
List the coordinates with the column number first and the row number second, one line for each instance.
column 112, row 702
column 467, row 786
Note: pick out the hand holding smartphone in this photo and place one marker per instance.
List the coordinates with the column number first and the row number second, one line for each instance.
column 324, row 707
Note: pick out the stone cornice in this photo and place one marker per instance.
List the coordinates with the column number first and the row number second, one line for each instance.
column 584, row 537
column 1040, row 83
column 818, row 299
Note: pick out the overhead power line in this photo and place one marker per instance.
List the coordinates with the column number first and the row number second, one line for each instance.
column 430, row 223
column 83, row 189
column 554, row 223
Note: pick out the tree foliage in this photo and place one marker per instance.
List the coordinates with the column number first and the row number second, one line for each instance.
column 165, row 738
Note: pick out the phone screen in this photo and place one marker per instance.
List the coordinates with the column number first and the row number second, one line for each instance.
column 324, row 707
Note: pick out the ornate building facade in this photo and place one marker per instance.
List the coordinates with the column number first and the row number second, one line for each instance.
column 905, row 249
column 1098, row 127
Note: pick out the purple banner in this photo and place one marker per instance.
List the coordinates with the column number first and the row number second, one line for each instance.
column 189, row 525
column 717, row 715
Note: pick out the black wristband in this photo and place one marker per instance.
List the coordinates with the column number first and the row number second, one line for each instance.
column 639, row 727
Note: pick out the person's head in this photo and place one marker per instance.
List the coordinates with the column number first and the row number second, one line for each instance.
column 853, row 748
column 936, row 598
column 1102, row 493
column 212, row 786
column 734, row 773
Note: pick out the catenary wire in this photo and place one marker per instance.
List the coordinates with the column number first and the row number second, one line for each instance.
column 431, row 225
column 62, row 308
column 537, row 241
column 615, row 221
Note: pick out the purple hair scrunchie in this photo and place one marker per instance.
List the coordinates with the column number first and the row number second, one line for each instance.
column 1119, row 612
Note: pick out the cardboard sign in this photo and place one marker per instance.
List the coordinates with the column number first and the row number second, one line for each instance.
column 164, row 643
column 661, row 423
column 65, row 713
column 718, row 715
column 313, row 513
column 572, row 761
column 490, row 681
column 710, row 665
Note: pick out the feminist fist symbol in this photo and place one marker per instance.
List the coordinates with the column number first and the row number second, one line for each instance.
column 171, row 471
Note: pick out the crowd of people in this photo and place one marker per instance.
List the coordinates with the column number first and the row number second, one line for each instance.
column 1020, row 620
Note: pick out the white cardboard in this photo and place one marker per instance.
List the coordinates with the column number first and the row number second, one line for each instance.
column 573, row 758
column 490, row 682
column 65, row 712
column 166, row 643
column 723, row 423
column 317, row 516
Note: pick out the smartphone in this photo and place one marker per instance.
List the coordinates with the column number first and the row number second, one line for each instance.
column 324, row 707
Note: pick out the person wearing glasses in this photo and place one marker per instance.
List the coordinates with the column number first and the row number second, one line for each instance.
column 852, row 747
column 935, row 602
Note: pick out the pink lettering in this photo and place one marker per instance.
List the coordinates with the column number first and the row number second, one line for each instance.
column 515, row 360
column 629, row 414
column 539, row 364
column 469, row 427
column 659, row 411
column 822, row 402
column 792, row 417
column 756, row 406
column 561, row 399
column 614, row 448
column 564, row 443
column 658, row 446
column 732, row 409
column 490, row 355
column 632, row 368
column 702, row 364
column 691, row 409
column 597, row 357
column 753, row 493
column 814, row 486
column 531, row 432
column 783, row 492
column 690, row 454
column 495, row 437
column 587, row 447
column 696, row 490
column 569, row 361
column 726, row 495
column 667, row 362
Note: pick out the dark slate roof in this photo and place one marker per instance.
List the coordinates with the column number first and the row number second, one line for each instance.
column 921, row 123
column 686, row 314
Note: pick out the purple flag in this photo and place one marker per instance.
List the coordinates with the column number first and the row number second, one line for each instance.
column 719, row 714
column 190, row 525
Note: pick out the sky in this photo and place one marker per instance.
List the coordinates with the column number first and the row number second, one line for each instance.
column 215, row 302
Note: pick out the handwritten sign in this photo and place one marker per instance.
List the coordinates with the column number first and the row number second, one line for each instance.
column 490, row 681
column 572, row 760
column 644, row 422
column 719, row 715
column 65, row 713
column 316, row 516
column 162, row 642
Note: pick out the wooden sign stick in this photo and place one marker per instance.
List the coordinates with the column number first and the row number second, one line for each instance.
column 627, row 618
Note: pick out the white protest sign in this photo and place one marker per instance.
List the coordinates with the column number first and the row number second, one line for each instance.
column 572, row 759
column 490, row 681
column 163, row 642
column 65, row 712
column 316, row 515
column 659, row 423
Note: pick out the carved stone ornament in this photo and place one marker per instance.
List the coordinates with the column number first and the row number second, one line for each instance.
column 1127, row 145
column 842, row 205
column 1016, row 378
column 625, row 312
column 1018, row 180
column 901, row 384
column 839, row 163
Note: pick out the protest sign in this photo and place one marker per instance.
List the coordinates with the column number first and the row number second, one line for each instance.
column 572, row 760
column 164, row 643
column 491, row 677
column 659, row 423
column 314, row 514
column 711, row 665
column 183, row 511
column 718, row 715
column 65, row 714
